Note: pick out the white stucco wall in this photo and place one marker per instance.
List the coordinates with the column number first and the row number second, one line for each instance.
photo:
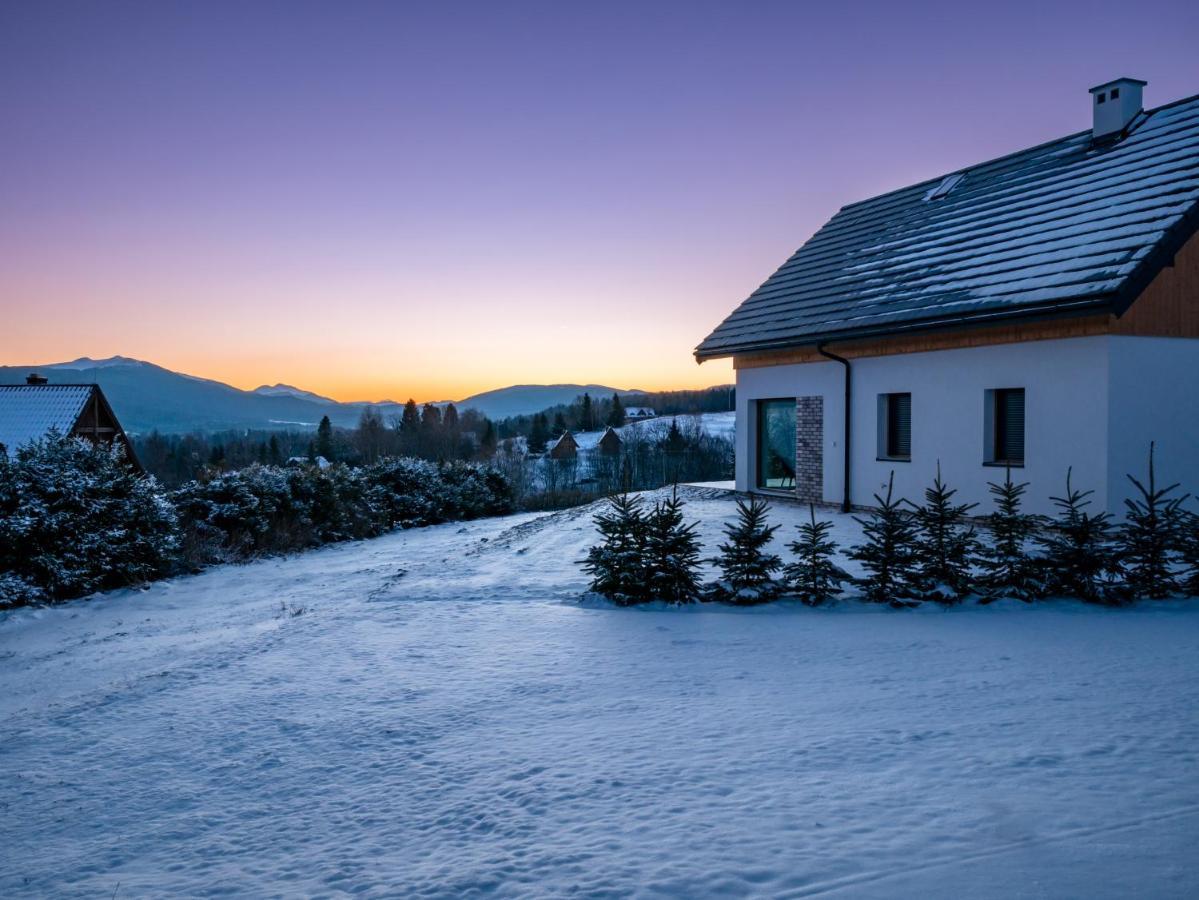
column 1067, row 413
column 1154, row 396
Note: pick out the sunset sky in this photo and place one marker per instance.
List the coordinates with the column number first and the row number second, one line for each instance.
column 390, row 200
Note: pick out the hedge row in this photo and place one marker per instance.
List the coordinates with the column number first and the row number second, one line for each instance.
column 74, row 518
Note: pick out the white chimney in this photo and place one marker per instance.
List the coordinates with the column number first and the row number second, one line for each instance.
column 1115, row 103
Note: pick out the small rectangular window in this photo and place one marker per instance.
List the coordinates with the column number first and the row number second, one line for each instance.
column 1008, row 428
column 1115, row 93
column 895, row 426
column 1101, row 97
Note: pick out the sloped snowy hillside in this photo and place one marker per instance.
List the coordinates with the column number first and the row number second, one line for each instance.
column 433, row 714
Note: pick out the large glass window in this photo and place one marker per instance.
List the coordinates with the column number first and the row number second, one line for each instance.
column 776, row 444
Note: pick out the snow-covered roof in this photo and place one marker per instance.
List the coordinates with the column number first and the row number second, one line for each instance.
column 29, row 411
column 1067, row 226
column 639, row 412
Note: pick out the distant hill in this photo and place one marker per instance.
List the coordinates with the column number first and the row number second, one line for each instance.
column 146, row 396
column 526, row 399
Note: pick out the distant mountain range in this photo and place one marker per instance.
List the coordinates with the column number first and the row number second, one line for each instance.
column 145, row 396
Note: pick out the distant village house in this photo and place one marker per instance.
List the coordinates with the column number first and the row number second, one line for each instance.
column 30, row 411
column 636, row 413
column 566, row 447
column 610, row 443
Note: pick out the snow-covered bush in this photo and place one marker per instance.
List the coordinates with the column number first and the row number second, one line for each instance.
column 413, row 493
column 77, row 518
column 888, row 552
column 814, row 577
column 472, row 491
column 617, row 563
column 747, row 571
column 671, row 553
column 1080, row 560
column 946, row 546
column 1150, row 539
column 242, row 514
column 267, row 509
column 1007, row 568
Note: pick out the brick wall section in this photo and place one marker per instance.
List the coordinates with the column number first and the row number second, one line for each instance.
column 809, row 449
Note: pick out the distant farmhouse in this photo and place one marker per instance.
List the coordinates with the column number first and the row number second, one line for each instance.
column 566, row 447
column 636, row 413
column 1038, row 311
column 610, row 443
column 28, row 412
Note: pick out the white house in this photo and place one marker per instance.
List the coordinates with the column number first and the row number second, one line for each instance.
column 1038, row 311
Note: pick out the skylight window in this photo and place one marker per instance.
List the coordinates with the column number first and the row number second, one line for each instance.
column 948, row 183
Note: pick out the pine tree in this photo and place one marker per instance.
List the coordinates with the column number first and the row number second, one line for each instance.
column 586, row 416
column 324, row 439
column 1188, row 549
column 559, row 423
column 888, row 553
column 1007, row 568
column 746, row 569
column 1078, row 554
column 814, row 578
column 671, row 553
column 489, row 440
column 409, row 428
column 617, row 564
column 616, row 417
column 1149, row 539
column 274, row 454
column 538, row 435
column 946, row 546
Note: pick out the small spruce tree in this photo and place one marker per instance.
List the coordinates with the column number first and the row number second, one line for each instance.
column 616, row 417
column 671, row 555
column 814, row 578
column 946, row 546
column 888, row 553
column 1149, row 539
column 539, row 434
column 1007, row 568
column 1077, row 551
column 747, row 570
column 324, row 439
column 616, row 565
column 1188, row 550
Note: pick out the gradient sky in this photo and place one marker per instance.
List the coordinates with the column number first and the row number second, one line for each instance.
column 392, row 199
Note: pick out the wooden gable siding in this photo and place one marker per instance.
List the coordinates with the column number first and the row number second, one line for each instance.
column 98, row 423
column 1168, row 307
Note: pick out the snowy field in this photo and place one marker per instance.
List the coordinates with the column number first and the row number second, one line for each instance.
column 432, row 714
column 721, row 424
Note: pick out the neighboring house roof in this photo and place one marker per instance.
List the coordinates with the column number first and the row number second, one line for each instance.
column 28, row 412
column 1065, row 227
column 639, row 412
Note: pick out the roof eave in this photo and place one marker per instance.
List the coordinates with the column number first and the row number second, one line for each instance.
column 1087, row 306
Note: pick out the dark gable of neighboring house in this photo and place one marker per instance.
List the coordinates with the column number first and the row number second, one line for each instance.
column 566, row 447
column 28, row 412
column 610, row 444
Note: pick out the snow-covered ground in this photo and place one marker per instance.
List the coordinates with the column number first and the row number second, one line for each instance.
column 721, row 424
column 433, row 713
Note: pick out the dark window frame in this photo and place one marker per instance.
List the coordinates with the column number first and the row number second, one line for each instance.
column 896, row 432
column 1004, row 425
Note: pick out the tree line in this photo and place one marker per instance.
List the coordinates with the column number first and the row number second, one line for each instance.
column 76, row 517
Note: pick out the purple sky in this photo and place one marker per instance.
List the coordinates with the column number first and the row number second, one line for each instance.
column 385, row 199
